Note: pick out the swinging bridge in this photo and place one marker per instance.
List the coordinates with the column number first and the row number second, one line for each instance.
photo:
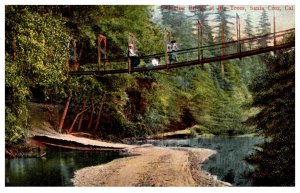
column 236, row 49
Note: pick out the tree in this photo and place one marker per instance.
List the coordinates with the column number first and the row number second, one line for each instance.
column 223, row 27
column 201, row 14
column 36, row 53
column 251, row 67
column 274, row 95
column 177, row 22
column 223, row 34
column 249, row 29
column 264, row 27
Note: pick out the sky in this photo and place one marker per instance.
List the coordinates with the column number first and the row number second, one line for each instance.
column 284, row 14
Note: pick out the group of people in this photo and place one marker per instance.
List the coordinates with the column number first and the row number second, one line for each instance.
column 134, row 59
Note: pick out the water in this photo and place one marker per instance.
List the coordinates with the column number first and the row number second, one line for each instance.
column 55, row 169
column 228, row 164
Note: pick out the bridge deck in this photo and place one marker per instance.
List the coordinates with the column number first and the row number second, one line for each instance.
column 190, row 63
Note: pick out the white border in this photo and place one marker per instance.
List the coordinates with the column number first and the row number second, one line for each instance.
column 135, row 189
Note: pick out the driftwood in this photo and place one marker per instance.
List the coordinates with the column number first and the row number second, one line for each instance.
column 72, row 142
column 81, row 148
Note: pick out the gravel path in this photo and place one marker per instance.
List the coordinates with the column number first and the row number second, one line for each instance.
column 151, row 166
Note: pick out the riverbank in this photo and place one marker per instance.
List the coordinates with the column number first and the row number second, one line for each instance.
column 151, row 166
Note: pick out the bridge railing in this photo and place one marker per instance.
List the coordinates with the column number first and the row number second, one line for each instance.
column 191, row 54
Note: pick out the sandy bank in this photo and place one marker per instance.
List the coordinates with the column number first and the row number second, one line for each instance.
column 151, row 166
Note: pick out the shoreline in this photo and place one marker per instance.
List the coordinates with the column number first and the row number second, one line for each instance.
column 151, row 166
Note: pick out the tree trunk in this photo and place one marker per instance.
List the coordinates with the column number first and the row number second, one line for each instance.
column 80, row 53
column 82, row 115
column 74, row 121
column 63, row 116
column 91, row 116
column 99, row 113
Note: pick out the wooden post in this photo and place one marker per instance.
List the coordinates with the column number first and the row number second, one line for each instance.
column 167, row 41
column 129, row 65
column 200, row 38
column 101, row 38
column 274, row 28
column 105, row 49
column 99, row 53
column 239, row 35
column 222, row 52
column 75, row 56
column 237, row 32
column 198, row 41
column 130, row 41
column 201, row 43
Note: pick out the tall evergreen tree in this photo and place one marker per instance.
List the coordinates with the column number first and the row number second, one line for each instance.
column 224, row 25
column 223, row 33
column 251, row 67
column 274, row 94
column 202, row 15
column 248, row 31
column 182, row 28
column 264, row 27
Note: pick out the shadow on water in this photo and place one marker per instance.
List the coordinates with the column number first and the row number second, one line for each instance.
column 56, row 169
column 228, row 164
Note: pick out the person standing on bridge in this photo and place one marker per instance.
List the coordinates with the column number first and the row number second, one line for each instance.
column 134, row 59
column 173, row 48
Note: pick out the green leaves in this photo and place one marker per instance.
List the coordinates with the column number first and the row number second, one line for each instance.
column 41, row 54
column 274, row 94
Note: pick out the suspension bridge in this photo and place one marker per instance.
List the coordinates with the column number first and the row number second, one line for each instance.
column 235, row 49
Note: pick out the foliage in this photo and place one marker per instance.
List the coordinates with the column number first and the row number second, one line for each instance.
column 264, row 27
column 180, row 27
column 118, row 106
column 39, row 45
column 16, row 96
column 274, row 94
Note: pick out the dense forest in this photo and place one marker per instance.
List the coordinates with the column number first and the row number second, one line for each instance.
column 254, row 95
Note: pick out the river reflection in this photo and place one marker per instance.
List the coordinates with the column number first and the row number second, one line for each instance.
column 228, row 164
column 55, row 169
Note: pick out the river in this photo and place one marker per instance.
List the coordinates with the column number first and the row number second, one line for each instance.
column 57, row 168
column 228, row 164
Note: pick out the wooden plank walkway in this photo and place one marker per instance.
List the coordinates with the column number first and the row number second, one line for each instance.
column 190, row 63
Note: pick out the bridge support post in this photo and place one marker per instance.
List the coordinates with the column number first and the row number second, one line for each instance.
column 75, row 64
column 274, row 30
column 222, row 52
column 101, row 38
column 131, row 38
column 200, row 38
column 167, row 41
column 238, row 34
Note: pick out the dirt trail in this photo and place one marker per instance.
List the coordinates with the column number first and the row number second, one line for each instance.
column 151, row 166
